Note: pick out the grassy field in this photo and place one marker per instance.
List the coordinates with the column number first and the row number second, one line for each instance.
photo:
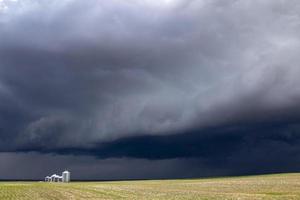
column 280, row 186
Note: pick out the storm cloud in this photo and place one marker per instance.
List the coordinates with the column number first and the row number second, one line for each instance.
column 199, row 79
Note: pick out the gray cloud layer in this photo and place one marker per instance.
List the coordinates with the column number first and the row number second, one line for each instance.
column 76, row 73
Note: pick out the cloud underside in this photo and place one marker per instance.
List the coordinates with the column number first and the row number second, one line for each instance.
column 208, row 80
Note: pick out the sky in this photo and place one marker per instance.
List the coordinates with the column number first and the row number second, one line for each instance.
column 141, row 89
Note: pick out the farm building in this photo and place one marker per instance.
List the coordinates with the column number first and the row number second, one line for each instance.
column 65, row 177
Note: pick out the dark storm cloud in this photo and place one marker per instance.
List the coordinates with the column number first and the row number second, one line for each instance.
column 256, row 145
column 235, row 151
column 117, row 78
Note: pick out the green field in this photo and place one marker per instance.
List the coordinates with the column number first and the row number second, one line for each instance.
column 279, row 186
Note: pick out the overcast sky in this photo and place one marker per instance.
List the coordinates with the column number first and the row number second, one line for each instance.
column 149, row 89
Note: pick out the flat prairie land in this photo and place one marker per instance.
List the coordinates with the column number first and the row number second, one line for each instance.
column 278, row 186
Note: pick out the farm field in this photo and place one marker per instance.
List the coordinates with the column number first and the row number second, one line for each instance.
column 278, row 186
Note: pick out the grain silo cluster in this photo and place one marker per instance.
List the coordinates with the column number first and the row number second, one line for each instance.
column 65, row 177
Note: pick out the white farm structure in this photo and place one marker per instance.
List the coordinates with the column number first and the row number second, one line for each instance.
column 65, row 177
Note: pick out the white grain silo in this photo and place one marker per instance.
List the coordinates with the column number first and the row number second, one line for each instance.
column 66, row 175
